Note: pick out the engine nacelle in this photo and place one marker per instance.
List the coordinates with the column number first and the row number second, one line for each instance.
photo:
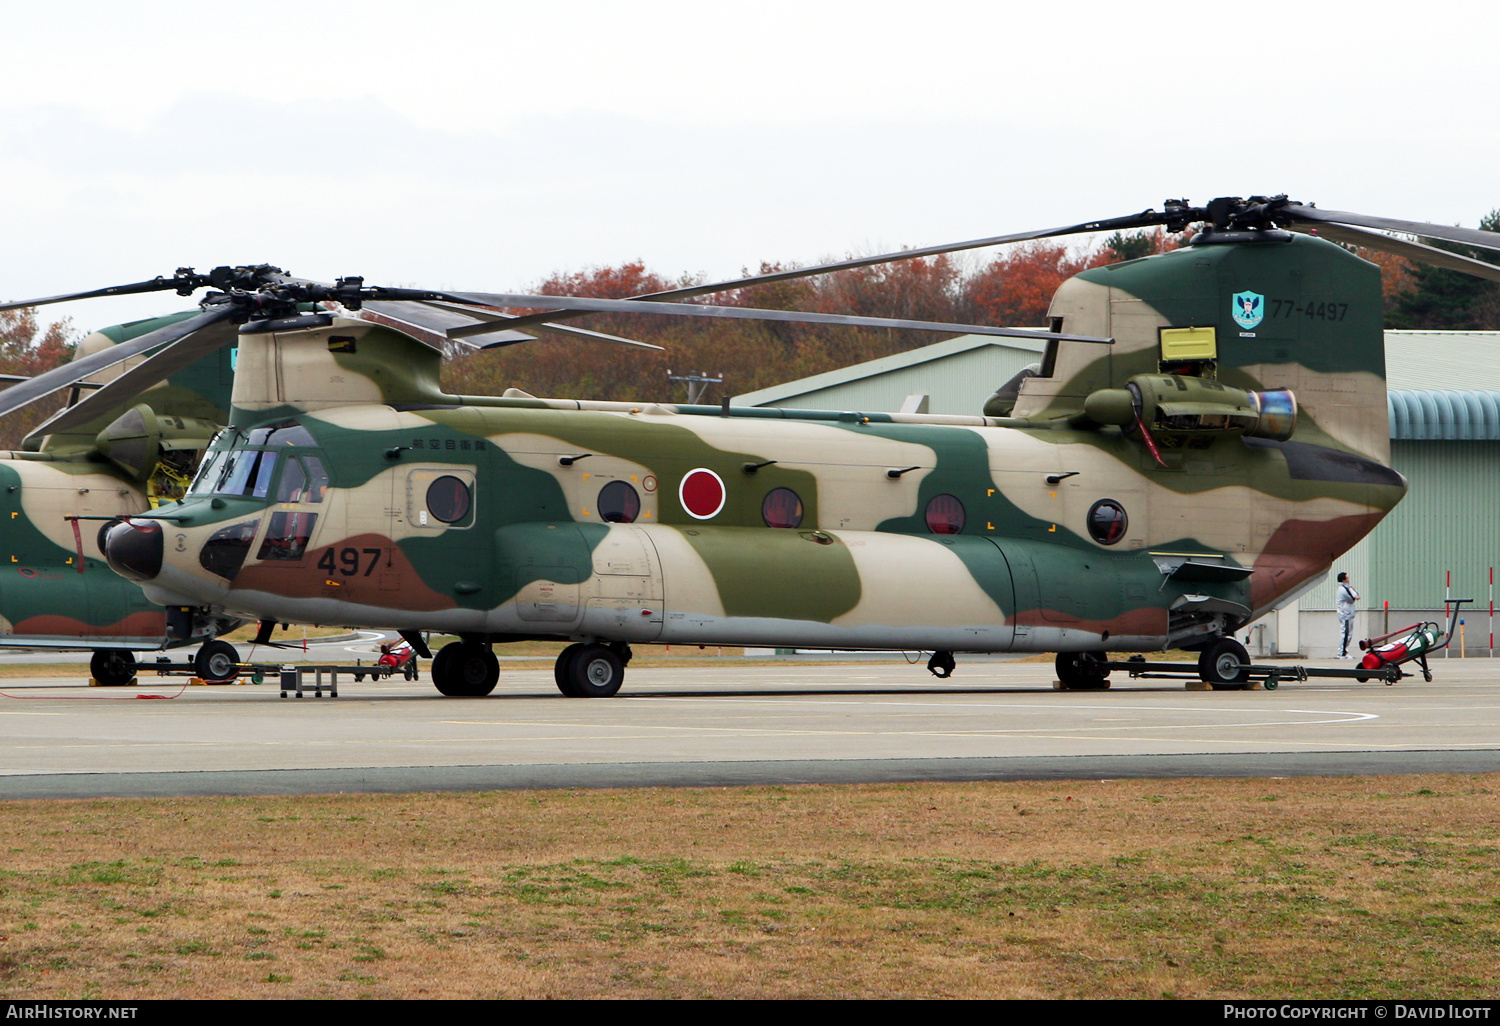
column 1183, row 404
column 136, row 439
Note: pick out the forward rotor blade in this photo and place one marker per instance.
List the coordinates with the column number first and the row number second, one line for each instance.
column 637, row 306
column 587, row 335
column 1401, row 247
column 501, row 320
column 27, row 392
column 429, row 321
column 154, row 285
column 128, row 386
column 1144, row 219
column 1469, row 236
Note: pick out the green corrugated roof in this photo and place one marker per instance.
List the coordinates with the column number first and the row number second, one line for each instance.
column 1444, row 414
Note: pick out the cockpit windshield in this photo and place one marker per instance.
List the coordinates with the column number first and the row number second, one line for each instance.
column 285, row 433
column 243, row 472
column 248, row 469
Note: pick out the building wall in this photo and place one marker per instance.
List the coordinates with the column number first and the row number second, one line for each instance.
column 1446, row 522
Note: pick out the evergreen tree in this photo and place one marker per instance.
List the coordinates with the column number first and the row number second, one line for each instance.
column 1439, row 299
column 1132, row 246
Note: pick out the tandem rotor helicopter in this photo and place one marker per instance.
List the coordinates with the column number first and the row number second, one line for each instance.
column 1205, row 434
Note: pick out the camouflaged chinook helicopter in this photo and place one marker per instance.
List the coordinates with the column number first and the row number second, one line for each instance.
column 125, row 459
column 1205, row 434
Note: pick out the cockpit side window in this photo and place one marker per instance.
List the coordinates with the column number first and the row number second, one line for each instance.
column 293, row 481
column 317, row 479
column 303, row 479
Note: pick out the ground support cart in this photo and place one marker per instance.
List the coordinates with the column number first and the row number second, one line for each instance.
column 1384, row 657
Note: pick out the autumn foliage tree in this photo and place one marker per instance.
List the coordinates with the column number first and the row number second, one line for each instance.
column 27, row 349
column 1017, row 288
column 1013, row 288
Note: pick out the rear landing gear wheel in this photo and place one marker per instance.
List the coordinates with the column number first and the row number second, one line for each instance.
column 562, row 670
column 1220, row 662
column 594, row 671
column 941, row 664
column 463, row 670
column 217, row 662
column 112, row 667
column 1082, row 671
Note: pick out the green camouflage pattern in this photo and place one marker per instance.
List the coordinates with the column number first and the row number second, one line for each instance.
column 1223, row 519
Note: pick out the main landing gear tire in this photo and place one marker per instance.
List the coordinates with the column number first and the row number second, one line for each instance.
column 1219, row 665
column 589, row 671
column 463, row 670
column 1082, row 671
column 217, row 662
column 112, row 667
column 562, row 671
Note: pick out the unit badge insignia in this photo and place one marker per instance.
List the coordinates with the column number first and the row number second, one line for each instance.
column 1249, row 309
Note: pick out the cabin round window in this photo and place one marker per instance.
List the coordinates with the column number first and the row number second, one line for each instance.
column 448, row 499
column 619, row 503
column 782, row 507
column 1107, row 521
column 945, row 514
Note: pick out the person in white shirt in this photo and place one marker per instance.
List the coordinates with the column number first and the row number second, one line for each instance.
column 1346, row 597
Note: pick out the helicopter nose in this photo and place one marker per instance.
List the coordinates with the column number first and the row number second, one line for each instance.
column 133, row 550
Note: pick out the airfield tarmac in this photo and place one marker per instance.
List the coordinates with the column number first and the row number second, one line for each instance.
column 728, row 722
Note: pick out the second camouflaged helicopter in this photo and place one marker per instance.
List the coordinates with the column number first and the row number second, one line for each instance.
column 1208, row 437
column 56, row 592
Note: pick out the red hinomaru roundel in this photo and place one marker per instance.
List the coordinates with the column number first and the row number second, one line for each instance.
column 702, row 493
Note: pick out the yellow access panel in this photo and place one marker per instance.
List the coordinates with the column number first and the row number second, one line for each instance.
column 1188, row 344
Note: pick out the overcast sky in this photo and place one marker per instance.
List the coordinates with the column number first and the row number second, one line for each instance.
column 488, row 145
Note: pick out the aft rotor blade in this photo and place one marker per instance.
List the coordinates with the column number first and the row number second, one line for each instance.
column 1469, row 236
column 1402, row 248
column 27, row 392
column 1144, row 219
column 119, row 392
column 637, row 306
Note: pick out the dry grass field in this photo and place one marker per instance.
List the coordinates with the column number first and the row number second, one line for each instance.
column 1352, row 888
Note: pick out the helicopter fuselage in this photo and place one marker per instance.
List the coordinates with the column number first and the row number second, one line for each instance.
column 640, row 523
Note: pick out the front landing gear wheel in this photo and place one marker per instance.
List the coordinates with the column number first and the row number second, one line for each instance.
column 1220, row 665
column 217, row 662
column 594, row 671
column 465, row 671
column 1082, row 671
column 112, row 667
